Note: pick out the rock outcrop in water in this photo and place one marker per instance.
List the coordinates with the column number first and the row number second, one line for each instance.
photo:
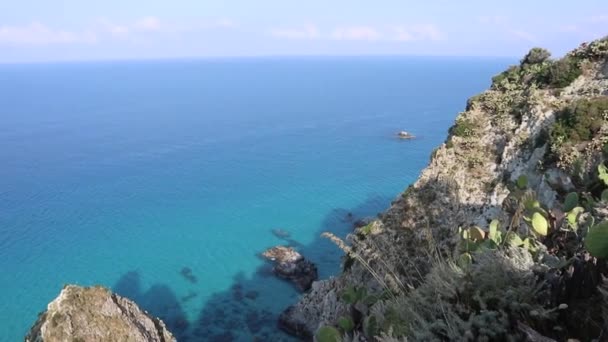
column 291, row 265
column 96, row 314
column 478, row 248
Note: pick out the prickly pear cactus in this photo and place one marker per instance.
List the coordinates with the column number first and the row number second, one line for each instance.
column 596, row 240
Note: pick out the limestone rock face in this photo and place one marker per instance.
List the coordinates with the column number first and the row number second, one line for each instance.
column 96, row 314
column 466, row 183
column 291, row 265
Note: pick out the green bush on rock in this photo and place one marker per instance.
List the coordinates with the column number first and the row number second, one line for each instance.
column 535, row 56
column 463, row 128
column 328, row 334
column 561, row 73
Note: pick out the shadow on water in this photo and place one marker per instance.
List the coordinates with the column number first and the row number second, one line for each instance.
column 159, row 300
column 249, row 309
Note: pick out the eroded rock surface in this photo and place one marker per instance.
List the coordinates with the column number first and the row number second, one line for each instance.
column 96, row 314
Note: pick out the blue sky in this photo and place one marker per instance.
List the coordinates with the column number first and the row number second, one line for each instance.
column 32, row 31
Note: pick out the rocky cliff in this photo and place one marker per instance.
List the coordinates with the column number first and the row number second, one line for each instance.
column 490, row 243
column 95, row 314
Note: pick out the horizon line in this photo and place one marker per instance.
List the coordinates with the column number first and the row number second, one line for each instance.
column 234, row 57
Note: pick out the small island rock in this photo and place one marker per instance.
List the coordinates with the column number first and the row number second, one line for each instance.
column 291, row 265
column 405, row 135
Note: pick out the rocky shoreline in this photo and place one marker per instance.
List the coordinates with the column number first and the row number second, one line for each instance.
column 501, row 142
column 490, row 232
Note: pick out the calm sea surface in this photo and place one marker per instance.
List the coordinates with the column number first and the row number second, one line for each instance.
column 164, row 180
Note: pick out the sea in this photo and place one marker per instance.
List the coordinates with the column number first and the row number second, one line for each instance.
column 164, row 180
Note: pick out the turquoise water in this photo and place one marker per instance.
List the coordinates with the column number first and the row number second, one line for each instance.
column 125, row 173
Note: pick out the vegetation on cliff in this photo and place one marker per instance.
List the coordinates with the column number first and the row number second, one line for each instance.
column 504, row 235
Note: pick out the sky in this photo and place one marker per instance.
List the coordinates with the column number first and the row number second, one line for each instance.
column 67, row 30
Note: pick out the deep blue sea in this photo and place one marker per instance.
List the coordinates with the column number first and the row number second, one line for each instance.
column 130, row 174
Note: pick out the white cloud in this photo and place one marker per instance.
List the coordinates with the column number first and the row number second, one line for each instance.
column 522, row 35
column 40, row 34
column 602, row 18
column 356, row 33
column 307, row 32
column 103, row 29
column 147, row 24
column 493, row 19
column 103, row 25
column 428, row 32
column 224, row 23
column 416, row 33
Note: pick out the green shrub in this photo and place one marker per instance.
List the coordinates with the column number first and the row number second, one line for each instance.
column 580, row 121
column 463, row 128
column 510, row 75
column 536, row 56
column 328, row 334
column 478, row 302
column 561, row 73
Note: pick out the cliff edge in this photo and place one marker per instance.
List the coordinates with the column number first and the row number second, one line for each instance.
column 502, row 235
column 95, row 314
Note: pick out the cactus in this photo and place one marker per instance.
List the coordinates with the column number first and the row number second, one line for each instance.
column 539, row 224
column 572, row 217
column 346, row 324
column 465, row 260
column 571, row 201
column 476, row 234
column 512, row 239
column 494, row 233
column 603, row 173
column 596, row 241
column 328, row 334
column 522, row 182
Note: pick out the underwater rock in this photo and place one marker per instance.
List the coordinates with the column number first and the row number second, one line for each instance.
column 253, row 295
column 291, row 265
column 186, row 272
column 281, row 233
column 189, row 296
column 96, row 314
column 349, row 217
